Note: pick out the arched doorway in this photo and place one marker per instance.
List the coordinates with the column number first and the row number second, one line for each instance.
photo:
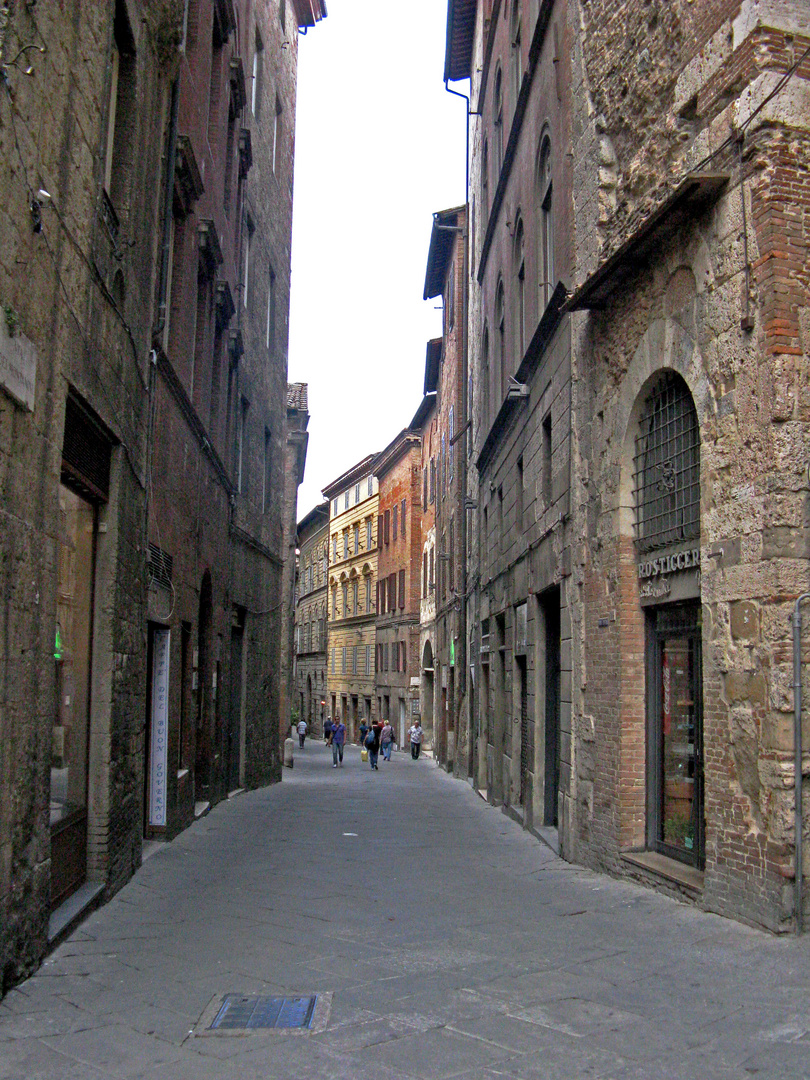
column 426, row 692
column 662, row 514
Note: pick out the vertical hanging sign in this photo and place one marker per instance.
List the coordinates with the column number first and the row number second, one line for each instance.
column 158, row 756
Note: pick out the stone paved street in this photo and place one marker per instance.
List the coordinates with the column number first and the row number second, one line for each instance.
column 453, row 944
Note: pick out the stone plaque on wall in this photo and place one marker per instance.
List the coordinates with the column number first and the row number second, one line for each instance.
column 18, row 366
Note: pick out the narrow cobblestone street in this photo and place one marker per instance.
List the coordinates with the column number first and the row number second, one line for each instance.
column 369, row 886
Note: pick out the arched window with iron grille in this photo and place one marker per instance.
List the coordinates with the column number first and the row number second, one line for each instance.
column 666, row 467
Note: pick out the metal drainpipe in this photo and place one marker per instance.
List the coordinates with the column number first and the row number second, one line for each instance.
column 797, row 761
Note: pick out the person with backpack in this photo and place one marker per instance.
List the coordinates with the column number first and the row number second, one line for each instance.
column 372, row 743
column 327, row 730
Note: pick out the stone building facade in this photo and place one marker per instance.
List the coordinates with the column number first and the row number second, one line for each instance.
column 295, row 456
column 446, row 277
column 692, row 340
column 126, row 535
column 637, row 338
column 399, row 561
column 519, row 361
column 75, row 334
column 311, row 611
column 353, row 551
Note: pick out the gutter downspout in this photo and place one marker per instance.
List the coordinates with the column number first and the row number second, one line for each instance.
column 797, row 761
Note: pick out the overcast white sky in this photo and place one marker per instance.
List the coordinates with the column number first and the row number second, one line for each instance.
column 379, row 147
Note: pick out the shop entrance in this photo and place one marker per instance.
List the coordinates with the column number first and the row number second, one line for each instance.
column 675, row 734
column 72, row 653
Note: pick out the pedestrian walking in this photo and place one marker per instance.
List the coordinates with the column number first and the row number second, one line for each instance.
column 301, row 728
column 417, row 734
column 363, row 732
column 327, row 729
column 372, row 743
column 337, row 739
column 386, row 740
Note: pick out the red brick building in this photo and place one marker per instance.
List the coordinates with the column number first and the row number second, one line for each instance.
column 221, row 514
column 426, row 424
column 399, row 561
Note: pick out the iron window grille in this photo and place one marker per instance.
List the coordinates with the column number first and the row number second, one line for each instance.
column 666, row 468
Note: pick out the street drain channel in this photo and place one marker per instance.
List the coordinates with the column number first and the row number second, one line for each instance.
column 253, row 1014
column 264, row 1012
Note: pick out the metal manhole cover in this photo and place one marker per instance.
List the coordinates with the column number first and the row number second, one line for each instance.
column 246, row 1012
column 257, row 1014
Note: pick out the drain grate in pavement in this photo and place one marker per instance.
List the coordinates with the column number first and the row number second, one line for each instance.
column 257, row 1014
column 240, row 1012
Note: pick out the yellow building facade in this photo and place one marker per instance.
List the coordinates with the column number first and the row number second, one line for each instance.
column 353, row 511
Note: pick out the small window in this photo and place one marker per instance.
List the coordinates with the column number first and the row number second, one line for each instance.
column 258, row 65
column 394, row 518
column 369, row 531
column 122, row 110
column 270, row 335
column 335, row 508
column 357, row 538
column 371, row 485
column 546, row 461
column 403, row 516
column 450, row 447
column 276, row 143
column 402, row 588
column 267, row 479
column 346, row 501
column 546, row 229
column 241, row 455
column 387, row 526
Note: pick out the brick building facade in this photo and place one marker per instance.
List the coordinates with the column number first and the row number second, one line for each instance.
column 353, row 551
column 399, row 474
column 310, row 694
column 446, row 277
column 425, row 423
column 222, row 515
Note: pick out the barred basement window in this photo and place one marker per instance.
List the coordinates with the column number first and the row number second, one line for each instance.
column 666, row 467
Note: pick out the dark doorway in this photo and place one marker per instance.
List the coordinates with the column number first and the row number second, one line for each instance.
column 204, row 723
column 526, row 739
column 233, row 735
column 551, row 611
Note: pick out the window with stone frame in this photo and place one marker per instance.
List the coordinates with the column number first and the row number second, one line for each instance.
column 545, row 231
column 666, row 467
